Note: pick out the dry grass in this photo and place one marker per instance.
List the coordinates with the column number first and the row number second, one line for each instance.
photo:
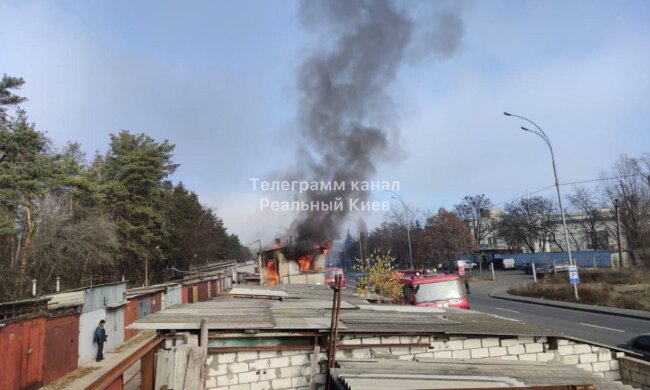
column 65, row 380
column 628, row 290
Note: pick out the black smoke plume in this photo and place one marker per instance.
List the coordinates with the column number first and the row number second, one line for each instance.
column 345, row 112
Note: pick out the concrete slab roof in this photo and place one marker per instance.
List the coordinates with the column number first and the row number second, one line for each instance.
column 308, row 308
column 461, row 373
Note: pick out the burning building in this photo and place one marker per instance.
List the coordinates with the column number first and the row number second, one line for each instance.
column 287, row 263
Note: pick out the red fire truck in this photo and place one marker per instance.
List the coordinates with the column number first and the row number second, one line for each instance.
column 421, row 289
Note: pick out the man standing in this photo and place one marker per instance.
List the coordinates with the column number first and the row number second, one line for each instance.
column 100, row 338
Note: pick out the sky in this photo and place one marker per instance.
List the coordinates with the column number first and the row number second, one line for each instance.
column 219, row 80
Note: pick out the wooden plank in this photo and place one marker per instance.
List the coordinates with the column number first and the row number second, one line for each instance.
column 314, row 365
column 204, row 350
column 147, row 364
column 164, row 366
column 195, row 363
column 180, row 365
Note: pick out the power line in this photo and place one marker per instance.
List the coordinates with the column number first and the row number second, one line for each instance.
column 572, row 183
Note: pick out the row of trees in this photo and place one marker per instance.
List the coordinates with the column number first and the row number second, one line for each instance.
column 87, row 222
column 531, row 223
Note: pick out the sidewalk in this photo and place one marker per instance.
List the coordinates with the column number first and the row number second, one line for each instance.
column 502, row 293
column 89, row 372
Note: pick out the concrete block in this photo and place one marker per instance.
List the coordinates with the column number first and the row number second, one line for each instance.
column 241, row 386
column 299, row 381
column 585, row 366
column 614, row 365
column 545, row 357
column 460, row 354
column 565, row 349
column 437, row 346
column 289, row 372
column 638, row 378
column 261, row 385
column 509, row 357
column 299, row 360
column 293, row 353
column 443, row 355
column 516, row 350
column 424, row 355
column 534, row 348
column 237, row 367
column 248, row 377
column 226, row 358
column 562, row 342
column 625, row 374
column 370, row 340
column 571, row 359
column 414, row 350
column 279, row 362
column 211, row 382
column 490, row 342
column 588, row 358
column 390, row 339
column 509, row 342
column 600, row 366
column 613, row 375
column 604, row 355
column 268, row 374
column 268, row 354
column 281, row 383
column 528, row 357
column 246, row 356
column 407, row 339
column 227, row 380
column 453, row 345
column 380, row 351
column 354, row 341
column 320, row 378
column 526, row 339
column 472, row 343
column 399, row 351
column 259, row 364
column 479, row 353
column 581, row 348
column 222, row 369
column 406, row 357
column 363, row 353
column 541, row 339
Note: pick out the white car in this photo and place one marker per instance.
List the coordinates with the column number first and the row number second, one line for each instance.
column 468, row 264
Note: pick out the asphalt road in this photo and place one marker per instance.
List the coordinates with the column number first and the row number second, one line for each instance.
column 600, row 328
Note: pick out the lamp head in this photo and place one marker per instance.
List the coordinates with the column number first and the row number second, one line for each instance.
column 507, row 114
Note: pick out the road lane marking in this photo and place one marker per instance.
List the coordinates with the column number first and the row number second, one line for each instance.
column 499, row 308
column 603, row 327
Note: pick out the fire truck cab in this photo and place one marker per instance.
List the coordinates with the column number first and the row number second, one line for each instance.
column 435, row 290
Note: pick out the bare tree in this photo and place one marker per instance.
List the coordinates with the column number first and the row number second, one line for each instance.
column 591, row 219
column 474, row 212
column 531, row 222
column 633, row 192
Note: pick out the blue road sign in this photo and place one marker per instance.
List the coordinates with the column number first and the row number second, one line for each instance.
column 573, row 275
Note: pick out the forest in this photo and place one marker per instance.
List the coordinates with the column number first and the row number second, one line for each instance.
column 97, row 220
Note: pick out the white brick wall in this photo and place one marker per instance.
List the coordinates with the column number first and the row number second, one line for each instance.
column 277, row 370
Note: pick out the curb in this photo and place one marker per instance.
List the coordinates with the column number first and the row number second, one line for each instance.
column 638, row 314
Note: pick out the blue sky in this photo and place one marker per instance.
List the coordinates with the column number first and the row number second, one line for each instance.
column 218, row 80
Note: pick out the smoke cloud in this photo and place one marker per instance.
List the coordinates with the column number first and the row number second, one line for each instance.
column 345, row 112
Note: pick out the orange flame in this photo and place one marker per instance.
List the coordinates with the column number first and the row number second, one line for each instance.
column 272, row 275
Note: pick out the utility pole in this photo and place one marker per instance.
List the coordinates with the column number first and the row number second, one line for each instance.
column 408, row 224
column 540, row 133
column 618, row 236
column 478, row 241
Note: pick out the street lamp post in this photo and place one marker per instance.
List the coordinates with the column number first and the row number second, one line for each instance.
column 360, row 247
column 618, row 236
column 408, row 224
column 540, row 133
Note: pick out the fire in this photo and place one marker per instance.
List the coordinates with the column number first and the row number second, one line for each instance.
column 272, row 275
column 304, row 262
